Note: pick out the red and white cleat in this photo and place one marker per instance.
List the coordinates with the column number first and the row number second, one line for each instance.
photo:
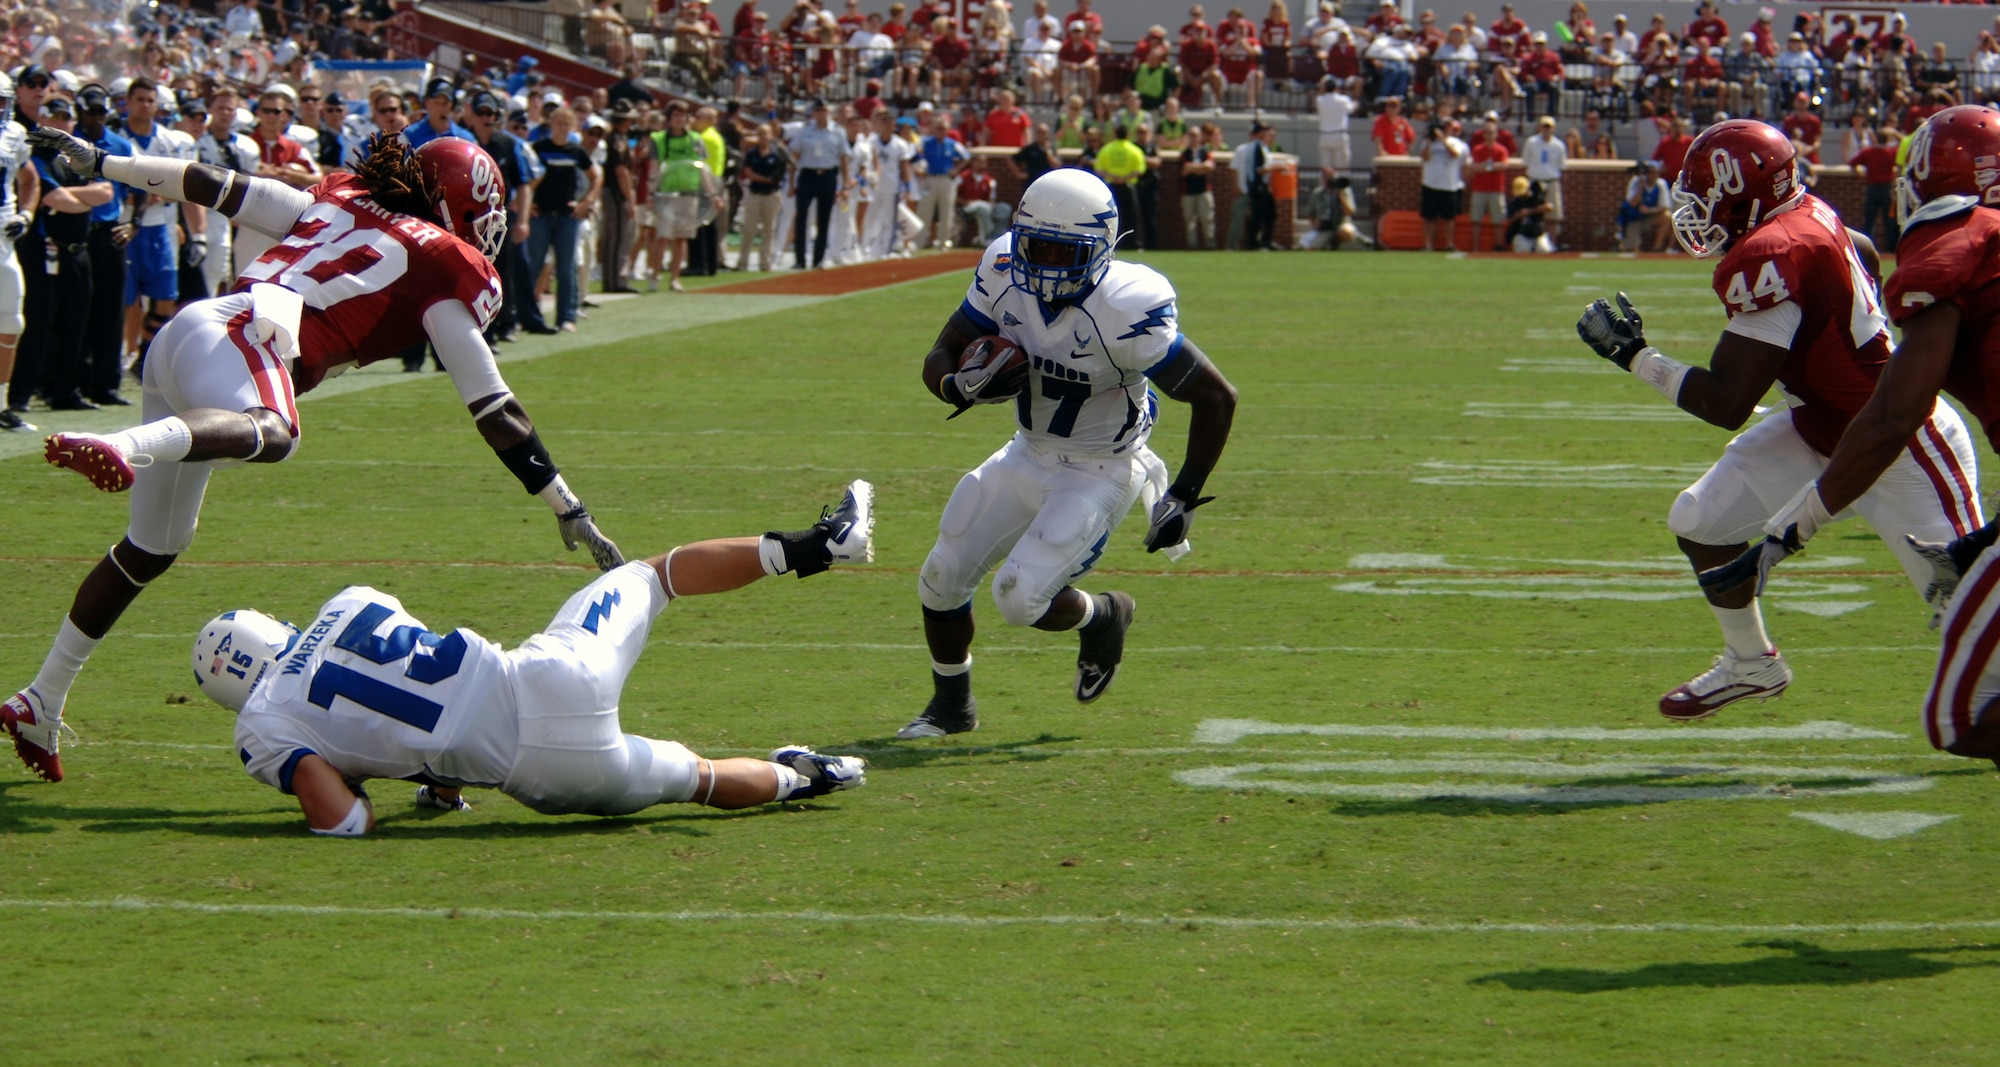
column 91, row 456
column 1730, row 680
column 35, row 731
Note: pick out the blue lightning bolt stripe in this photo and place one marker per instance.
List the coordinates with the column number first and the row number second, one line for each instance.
column 1156, row 317
column 600, row 610
column 1100, row 221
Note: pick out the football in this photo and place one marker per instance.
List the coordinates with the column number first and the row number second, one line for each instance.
column 1004, row 363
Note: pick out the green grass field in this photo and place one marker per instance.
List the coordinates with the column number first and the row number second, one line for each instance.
column 1382, row 781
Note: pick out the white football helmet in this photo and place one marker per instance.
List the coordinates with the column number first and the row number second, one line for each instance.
column 1064, row 233
column 6, row 97
column 235, row 651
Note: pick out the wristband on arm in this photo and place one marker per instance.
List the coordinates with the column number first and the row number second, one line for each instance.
column 529, row 461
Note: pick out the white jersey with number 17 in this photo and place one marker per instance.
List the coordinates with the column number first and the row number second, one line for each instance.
column 374, row 692
column 1089, row 358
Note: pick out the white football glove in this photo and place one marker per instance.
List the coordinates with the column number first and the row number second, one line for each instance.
column 982, row 384
column 576, row 528
column 82, row 158
column 1944, row 575
column 1172, row 519
column 428, row 799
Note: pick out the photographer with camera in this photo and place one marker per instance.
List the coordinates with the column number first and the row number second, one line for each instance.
column 1443, row 185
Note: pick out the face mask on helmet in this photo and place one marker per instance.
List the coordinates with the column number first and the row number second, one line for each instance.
column 1695, row 227
column 1062, row 235
column 237, row 650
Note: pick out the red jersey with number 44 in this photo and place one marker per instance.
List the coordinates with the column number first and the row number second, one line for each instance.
column 1802, row 257
column 1956, row 260
column 367, row 276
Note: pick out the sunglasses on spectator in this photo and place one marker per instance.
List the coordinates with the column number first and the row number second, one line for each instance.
column 486, row 113
column 397, row 110
column 36, row 82
column 274, row 111
column 308, row 99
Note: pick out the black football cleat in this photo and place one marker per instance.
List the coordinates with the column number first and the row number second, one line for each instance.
column 943, row 715
column 1101, row 645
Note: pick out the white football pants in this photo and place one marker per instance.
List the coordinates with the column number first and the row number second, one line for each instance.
column 1932, row 490
column 1048, row 515
column 574, row 759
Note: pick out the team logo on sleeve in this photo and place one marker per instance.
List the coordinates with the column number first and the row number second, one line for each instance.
column 1003, row 262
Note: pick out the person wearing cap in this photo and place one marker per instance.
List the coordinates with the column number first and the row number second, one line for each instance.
column 1545, row 155
column 1254, row 167
column 111, row 229
column 31, row 90
column 440, row 100
column 1745, row 73
column 942, row 157
column 1542, row 72
column 1798, row 72
column 819, row 148
column 20, row 194
column 151, row 269
column 517, row 82
column 55, row 258
column 618, row 204
column 1645, row 215
column 334, row 144
column 509, row 153
column 1708, row 23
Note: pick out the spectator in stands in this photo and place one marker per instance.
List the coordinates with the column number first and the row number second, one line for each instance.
column 1984, row 64
column 1701, row 76
column 1197, row 197
column 1006, row 125
column 693, row 44
column 1527, row 211
column 992, row 44
column 1038, row 18
column 1077, row 59
column 1199, row 63
column 1083, row 14
column 1033, row 160
column 1939, row 74
column 1797, row 71
column 1895, row 51
column 1343, row 62
column 1443, row 180
column 1542, row 73
column 1673, row 149
column 943, row 156
column 1859, row 134
column 1745, row 73
column 1487, row 180
column 1455, row 64
column 1172, row 133
column 1507, row 28
column 976, row 201
column 1707, row 24
column 1391, row 132
column 1802, row 126
column 1335, row 109
column 1071, row 121
column 1040, row 67
column 951, row 61
column 1644, row 216
column 1578, row 33
column 1393, row 57
column 1320, row 30
column 1876, row 165
column 1546, row 155
column 755, row 53
column 1155, row 80
column 606, row 33
column 244, row 20
column 1660, row 69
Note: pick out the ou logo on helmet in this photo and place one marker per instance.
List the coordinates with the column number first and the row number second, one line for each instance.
column 1728, row 172
column 485, row 186
column 1918, row 166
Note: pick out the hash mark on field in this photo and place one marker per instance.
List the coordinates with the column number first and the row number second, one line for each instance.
column 1403, row 924
column 1566, row 411
column 1247, row 777
column 1669, row 336
column 1230, row 731
column 1673, row 564
column 1638, row 588
column 1560, row 365
column 1879, row 825
column 1549, row 474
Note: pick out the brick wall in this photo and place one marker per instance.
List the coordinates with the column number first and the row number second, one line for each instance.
column 1173, row 227
column 1592, row 190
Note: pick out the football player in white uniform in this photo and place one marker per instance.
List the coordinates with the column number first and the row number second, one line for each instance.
column 1043, row 507
column 367, row 691
column 20, row 193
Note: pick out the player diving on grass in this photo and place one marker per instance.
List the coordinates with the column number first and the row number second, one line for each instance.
column 1043, row 507
column 367, row 691
column 370, row 263
column 1945, row 295
column 1804, row 313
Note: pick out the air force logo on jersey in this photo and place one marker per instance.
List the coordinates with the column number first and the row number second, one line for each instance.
column 1087, row 392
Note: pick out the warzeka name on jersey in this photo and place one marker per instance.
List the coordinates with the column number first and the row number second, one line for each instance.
column 310, row 642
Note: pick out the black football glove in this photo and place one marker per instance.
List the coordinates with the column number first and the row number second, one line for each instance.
column 1173, row 517
column 14, row 227
column 1616, row 339
column 1755, row 563
column 80, row 157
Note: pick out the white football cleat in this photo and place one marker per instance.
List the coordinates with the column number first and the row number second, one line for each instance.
column 1730, row 680
column 426, row 798
column 823, row 774
column 850, row 525
column 36, row 730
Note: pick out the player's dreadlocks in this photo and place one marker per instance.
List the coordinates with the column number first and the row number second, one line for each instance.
column 389, row 168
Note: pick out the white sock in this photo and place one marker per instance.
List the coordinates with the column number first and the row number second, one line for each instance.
column 66, row 658
column 951, row 670
column 1089, row 610
column 771, row 553
column 789, row 781
column 167, row 440
column 1743, row 631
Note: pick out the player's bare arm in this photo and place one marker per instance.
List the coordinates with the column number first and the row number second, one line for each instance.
column 1870, row 258
column 1725, row 393
column 942, row 360
column 1193, row 380
column 331, row 807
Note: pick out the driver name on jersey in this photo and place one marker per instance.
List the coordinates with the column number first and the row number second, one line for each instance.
column 1802, row 260
column 1089, row 359
column 1950, row 254
column 344, row 691
column 367, row 276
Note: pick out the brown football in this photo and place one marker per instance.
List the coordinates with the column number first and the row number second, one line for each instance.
column 1009, row 361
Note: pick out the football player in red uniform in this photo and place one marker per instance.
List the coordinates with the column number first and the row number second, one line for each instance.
column 370, row 263
column 1945, row 295
column 1803, row 313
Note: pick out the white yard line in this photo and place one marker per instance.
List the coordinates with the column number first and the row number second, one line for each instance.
column 1230, row 731
column 1404, row 924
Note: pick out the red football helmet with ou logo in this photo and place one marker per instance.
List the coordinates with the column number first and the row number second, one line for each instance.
column 1737, row 174
column 472, row 200
column 1955, row 153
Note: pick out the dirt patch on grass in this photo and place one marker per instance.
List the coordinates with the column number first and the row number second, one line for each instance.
column 841, row 281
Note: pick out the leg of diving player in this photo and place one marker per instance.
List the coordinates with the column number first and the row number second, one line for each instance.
column 237, row 404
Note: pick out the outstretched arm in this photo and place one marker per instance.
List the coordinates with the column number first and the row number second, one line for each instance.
column 331, row 807
column 267, row 206
column 455, row 333
column 1725, row 393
